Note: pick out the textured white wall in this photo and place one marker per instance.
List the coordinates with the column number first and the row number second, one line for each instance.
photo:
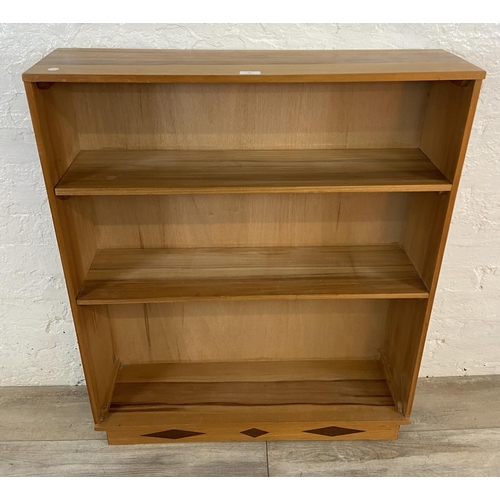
column 37, row 340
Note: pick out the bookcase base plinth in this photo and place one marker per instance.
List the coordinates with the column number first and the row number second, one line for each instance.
column 255, row 431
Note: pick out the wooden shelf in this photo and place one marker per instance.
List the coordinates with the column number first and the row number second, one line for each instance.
column 249, row 66
column 177, row 275
column 199, row 172
column 176, row 399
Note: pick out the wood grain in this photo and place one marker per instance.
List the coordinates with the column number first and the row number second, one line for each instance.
column 172, row 275
column 97, row 459
column 172, row 278
column 259, row 220
column 454, row 431
column 250, row 384
column 166, row 394
column 132, row 65
column 444, row 403
column 252, row 416
column 447, row 403
column 249, row 330
column 220, row 400
column 399, row 354
column 426, row 247
column 425, row 222
column 264, row 371
column 191, row 172
column 434, row 453
column 247, row 117
column 56, row 413
column 446, row 114
column 58, row 144
column 282, row 431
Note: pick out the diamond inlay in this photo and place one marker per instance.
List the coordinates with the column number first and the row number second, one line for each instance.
column 333, row 431
column 253, row 432
column 173, row 434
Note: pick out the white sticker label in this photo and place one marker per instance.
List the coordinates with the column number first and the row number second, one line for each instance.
column 249, row 72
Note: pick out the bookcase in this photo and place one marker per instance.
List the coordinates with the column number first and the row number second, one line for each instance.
column 251, row 240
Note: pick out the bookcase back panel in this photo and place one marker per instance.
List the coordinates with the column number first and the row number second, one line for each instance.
column 191, row 221
column 232, row 331
column 251, row 116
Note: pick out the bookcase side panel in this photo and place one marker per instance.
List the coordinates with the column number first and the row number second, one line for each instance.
column 54, row 123
column 400, row 354
column 425, row 222
column 447, row 126
column 445, row 134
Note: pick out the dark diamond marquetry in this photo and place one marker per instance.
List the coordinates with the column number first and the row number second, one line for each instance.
column 253, row 432
column 173, row 434
column 333, row 431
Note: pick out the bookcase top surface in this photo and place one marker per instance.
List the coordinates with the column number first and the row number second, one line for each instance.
column 246, row 66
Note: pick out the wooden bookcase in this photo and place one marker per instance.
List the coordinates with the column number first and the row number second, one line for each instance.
column 251, row 240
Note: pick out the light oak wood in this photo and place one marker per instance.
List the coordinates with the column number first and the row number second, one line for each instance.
column 425, row 220
column 174, row 275
column 267, row 371
column 282, row 431
column 249, row 330
column 171, row 394
column 132, row 66
column 447, row 113
column 364, row 415
column 445, row 137
column 206, row 390
column 260, row 220
column 222, row 401
column 400, row 352
column 58, row 145
column 192, row 172
column 250, row 384
column 329, row 175
column 246, row 117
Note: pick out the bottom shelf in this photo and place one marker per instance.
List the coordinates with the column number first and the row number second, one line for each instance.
column 265, row 400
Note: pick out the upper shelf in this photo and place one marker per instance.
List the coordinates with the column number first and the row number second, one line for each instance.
column 242, row 66
column 199, row 172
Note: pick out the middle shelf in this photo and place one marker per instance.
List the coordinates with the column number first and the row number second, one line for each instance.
column 142, row 172
column 121, row 276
